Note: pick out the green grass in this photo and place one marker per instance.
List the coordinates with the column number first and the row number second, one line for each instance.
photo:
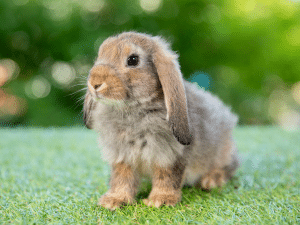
column 57, row 175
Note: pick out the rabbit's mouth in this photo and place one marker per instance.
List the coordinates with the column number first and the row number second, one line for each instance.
column 107, row 101
column 111, row 99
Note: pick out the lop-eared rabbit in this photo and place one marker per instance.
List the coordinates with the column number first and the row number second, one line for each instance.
column 153, row 123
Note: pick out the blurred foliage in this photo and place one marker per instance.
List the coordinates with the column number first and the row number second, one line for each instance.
column 248, row 49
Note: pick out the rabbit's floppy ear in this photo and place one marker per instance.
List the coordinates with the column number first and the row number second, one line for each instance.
column 87, row 110
column 170, row 77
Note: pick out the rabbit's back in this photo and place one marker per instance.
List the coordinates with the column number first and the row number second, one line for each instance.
column 212, row 123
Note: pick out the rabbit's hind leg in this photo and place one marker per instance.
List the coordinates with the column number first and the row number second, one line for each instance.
column 215, row 178
column 225, row 167
column 218, row 177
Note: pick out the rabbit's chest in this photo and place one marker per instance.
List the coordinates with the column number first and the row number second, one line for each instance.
column 137, row 131
column 131, row 128
column 138, row 139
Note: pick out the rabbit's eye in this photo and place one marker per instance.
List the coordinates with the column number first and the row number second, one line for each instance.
column 132, row 60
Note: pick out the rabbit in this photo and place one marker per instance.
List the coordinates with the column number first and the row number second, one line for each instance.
column 153, row 123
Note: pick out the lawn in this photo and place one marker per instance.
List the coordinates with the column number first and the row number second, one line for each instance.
column 57, row 175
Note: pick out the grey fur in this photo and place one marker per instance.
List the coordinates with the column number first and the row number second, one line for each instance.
column 120, row 124
column 137, row 133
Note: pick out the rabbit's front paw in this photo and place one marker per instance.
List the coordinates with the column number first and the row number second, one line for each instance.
column 158, row 199
column 112, row 201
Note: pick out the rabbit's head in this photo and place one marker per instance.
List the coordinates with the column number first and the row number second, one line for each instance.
column 136, row 67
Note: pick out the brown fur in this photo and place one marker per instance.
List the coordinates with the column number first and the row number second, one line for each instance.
column 168, row 73
column 232, row 167
column 88, row 107
column 166, row 185
column 227, row 160
column 175, row 99
column 152, row 122
column 215, row 178
column 123, row 187
column 219, row 172
column 114, row 89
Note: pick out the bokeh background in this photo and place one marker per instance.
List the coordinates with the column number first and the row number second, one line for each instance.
column 245, row 51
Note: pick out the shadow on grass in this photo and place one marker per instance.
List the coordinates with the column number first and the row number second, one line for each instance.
column 144, row 190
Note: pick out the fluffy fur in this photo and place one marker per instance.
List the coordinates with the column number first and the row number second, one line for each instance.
column 152, row 122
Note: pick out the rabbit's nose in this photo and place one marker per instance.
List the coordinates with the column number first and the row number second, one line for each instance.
column 97, row 85
column 94, row 88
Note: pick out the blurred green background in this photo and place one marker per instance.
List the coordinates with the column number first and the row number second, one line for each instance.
column 245, row 51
